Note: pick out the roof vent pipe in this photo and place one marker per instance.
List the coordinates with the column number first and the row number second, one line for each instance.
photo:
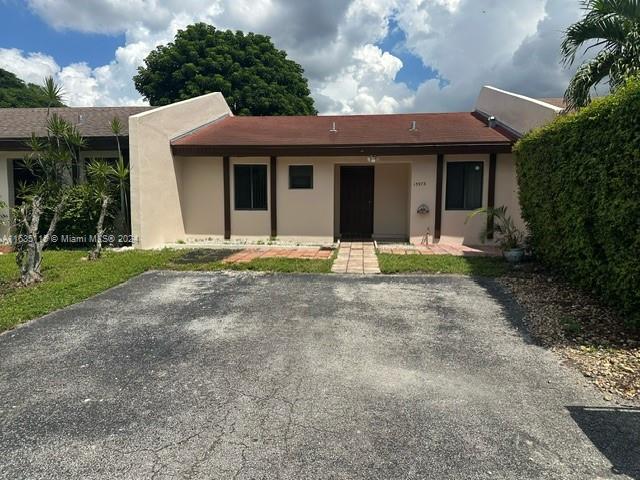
column 333, row 128
column 492, row 122
column 413, row 126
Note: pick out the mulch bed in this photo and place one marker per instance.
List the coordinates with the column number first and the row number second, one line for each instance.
column 6, row 249
column 591, row 336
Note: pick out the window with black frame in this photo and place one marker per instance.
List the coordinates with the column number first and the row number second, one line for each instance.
column 464, row 185
column 250, row 187
column 300, row 177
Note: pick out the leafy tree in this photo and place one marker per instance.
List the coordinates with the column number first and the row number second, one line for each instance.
column 254, row 77
column 613, row 26
column 50, row 161
column 16, row 93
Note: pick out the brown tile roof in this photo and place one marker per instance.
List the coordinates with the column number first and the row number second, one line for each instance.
column 352, row 130
column 92, row 121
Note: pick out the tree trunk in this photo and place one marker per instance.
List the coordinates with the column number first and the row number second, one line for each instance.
column 30, row 260
column 30, row 257
column 97, row 251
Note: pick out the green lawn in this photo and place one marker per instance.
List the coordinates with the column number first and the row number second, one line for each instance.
column 69, row 278
column 479, row 266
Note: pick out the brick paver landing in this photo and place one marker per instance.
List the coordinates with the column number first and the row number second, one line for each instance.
column 356, row 257
column 248, row 254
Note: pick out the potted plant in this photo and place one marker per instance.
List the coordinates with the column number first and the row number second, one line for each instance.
column 510, row 239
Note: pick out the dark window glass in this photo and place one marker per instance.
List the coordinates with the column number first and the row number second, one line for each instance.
column 464, row 185
column 300, row 176
column 250, row 185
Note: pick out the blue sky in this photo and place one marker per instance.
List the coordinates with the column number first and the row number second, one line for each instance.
column 24, row 30
column 413, row 71
column 434, row 54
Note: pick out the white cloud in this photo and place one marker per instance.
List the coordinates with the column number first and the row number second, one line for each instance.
column 32, row 67
column 367, row 84
column 509, row 43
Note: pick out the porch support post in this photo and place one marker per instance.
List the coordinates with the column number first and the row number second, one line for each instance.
column 274, row 202
column 491, row 196
column 227, row 198
column 438, row 212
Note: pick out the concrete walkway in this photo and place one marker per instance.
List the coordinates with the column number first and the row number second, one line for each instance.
column 356, row 257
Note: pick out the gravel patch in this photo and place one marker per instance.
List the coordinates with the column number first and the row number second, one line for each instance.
column 592, row 337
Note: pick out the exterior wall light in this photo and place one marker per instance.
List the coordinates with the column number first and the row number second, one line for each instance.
column 372, row 158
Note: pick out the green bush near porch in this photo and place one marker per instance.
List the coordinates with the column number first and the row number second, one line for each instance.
column 579, row 181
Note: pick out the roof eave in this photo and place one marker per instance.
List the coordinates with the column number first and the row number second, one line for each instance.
column 101, row 142
column 340, row 150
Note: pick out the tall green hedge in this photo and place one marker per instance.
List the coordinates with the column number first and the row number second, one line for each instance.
column 579, row 183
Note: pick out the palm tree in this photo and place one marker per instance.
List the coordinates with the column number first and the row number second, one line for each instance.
column 52, row 92
column 613, row 26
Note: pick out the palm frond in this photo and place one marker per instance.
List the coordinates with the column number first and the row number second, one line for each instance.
column 116, row 126
column 629, row 9
column 52, row 92
column 610, row 31
column 588, row 75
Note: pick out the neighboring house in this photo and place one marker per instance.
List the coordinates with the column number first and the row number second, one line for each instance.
column 17, row 125
column 200, row 174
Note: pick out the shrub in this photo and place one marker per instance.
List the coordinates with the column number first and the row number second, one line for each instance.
column 78, row 219
column 579, row 181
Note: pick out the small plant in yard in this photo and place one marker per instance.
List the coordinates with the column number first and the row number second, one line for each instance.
column 120, row 174
column 510, row 238
column 570, row 324
column 99, row 172
column 106, row 181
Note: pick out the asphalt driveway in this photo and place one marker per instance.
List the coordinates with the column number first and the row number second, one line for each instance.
column 257, row 376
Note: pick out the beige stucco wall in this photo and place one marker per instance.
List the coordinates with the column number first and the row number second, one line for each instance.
column 200, row 188
column 391, row 201
column 518, row 112
column 306, row 215
column 507, row 188
column 423, row 192
column 156, row 213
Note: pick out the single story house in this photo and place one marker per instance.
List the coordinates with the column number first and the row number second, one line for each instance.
column 198, row 173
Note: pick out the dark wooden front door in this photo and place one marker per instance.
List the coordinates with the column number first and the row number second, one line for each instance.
column 356, row 202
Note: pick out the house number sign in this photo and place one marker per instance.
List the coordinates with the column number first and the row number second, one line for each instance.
column 420, row 184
